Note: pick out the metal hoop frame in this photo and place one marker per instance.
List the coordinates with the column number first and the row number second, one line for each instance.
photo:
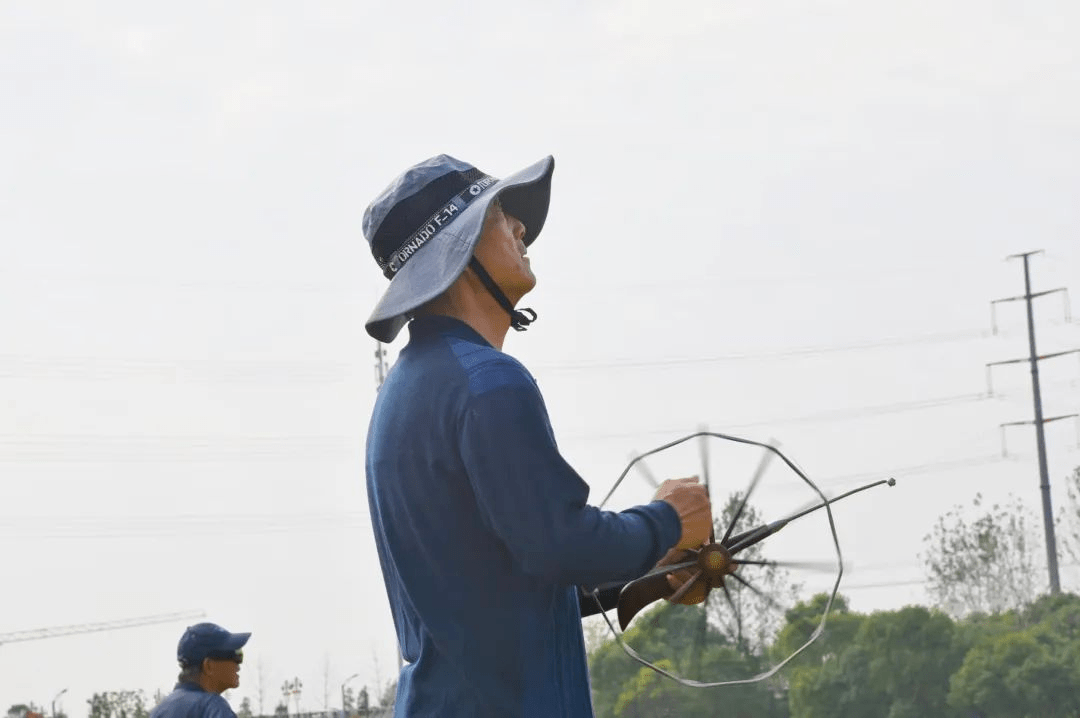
column 826, row 503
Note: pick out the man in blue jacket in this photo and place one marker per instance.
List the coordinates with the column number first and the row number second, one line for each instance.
column 210, row 659
column 483, row 530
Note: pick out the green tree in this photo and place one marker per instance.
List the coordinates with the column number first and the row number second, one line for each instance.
column 118, row 704
column 99, row 706
column 835, row 689
column 802, row 620
column 983, row 565
column 648, row 695
column 133, row 705
column 389, row 695
column 670, row 636
column 362, row 699
column 1069, row 517
column 917, row 651
column 804, row 673
column 1016, row 675
column 896, row 665
column 245, row 709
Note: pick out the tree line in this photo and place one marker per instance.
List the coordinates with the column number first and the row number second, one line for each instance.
column 909, row 663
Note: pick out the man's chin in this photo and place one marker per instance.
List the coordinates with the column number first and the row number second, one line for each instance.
column 527, row 284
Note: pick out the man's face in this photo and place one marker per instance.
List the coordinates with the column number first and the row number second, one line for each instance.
column 224, row 673
column 501, row 250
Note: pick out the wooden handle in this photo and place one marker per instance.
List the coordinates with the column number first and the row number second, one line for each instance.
column 638, row 594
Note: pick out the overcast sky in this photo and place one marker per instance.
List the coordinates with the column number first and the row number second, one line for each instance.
column 783, row 221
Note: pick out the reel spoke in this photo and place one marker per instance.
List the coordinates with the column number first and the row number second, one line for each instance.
column 670, row 568
column 805, row 565
column 762, row 465
column 644, row 470
column 730, row 600
column 703, row 448
column 685, row 588
column 758, row 592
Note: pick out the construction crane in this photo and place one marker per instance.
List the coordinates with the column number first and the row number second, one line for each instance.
column 39, row 633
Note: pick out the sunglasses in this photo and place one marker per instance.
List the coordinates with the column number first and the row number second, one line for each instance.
column 234, row 656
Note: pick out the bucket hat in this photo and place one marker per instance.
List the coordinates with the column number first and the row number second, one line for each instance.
column 423, row 229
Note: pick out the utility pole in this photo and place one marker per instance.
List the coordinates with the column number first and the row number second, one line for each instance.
column 56, row 698
column 292, row 689
column 344, row 706
column 1033, row 359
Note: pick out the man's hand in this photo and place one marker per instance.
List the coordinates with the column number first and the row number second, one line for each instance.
column 690, row 501
column 697, row 592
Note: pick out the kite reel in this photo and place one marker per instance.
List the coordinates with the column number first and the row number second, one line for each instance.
column 718, row 562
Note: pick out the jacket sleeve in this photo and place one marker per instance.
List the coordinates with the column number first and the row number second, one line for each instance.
column 531, row 498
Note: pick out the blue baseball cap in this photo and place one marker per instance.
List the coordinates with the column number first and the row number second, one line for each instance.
column 209, row 640
column 423, row 228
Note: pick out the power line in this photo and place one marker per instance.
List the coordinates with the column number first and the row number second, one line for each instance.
column 884, row 584
column 913, row 469
column 105, row 447
column 85, row 368
column 908, row 470
column 80, row 527
column 228, row 284
column 827, row 415
column 90, row 368
column 937, row 338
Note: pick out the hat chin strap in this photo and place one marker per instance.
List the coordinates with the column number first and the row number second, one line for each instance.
column 520, row 319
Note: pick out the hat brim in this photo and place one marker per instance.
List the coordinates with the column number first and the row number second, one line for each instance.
column 235, row 641
column 526, row 195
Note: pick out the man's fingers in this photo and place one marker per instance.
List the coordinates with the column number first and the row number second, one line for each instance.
column 688, row 481
column 695, row 595
column 674, row 556
column 680, row 577
column 691, row 502
column 670, row 485
column 696, row 525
